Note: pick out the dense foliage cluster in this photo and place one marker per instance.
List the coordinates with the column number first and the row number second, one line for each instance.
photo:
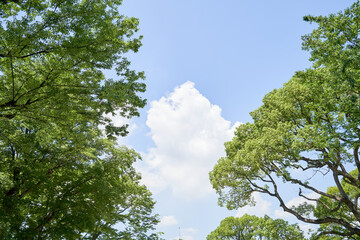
column 250, row 227
column 311, row 125
column 61, row 175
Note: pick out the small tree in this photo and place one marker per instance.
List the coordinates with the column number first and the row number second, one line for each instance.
column 251, row 227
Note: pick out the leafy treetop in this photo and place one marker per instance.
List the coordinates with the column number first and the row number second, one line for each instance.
column 60, row 178
column 52, row 54
column 311, row 125
column 250, row 227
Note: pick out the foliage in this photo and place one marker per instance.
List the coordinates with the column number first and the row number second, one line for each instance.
column 60, row 177
column 310, row 125
column 251, row 227
column 56, row 189
column 325, row 207
column 52, row 54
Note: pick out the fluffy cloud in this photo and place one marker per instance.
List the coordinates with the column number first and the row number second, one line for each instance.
column 167, row 221
column 189, row 134
column 262, row 207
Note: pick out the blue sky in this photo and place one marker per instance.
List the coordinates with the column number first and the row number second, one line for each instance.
column 208, row 64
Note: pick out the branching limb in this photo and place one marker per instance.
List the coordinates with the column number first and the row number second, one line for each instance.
column 309, row 220
column 333, row 232
column 352, row 207
column 307, row 186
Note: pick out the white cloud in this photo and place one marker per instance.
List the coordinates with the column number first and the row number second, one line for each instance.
column 189, row 134
column 280, row 213
column 153, row 181
column 167, row 221
column 261, row 208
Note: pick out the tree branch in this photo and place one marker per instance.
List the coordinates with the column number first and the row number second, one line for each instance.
column 352, row 207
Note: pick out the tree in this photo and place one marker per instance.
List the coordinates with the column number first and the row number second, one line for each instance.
column 251, row 227
column 66, row 190
column 52, row 54
column 311, row 125
column 61, row 176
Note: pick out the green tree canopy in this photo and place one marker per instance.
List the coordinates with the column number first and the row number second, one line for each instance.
column 250, row 227
column 52, row 54
column 60, row 189
column 311, row 124
column 61, row 176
